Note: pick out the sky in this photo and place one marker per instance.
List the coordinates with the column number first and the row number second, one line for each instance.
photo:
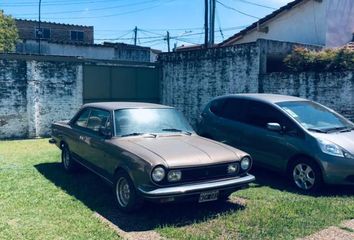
column 114, row 20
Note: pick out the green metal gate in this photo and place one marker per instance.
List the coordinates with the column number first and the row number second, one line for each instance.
column 140, row 83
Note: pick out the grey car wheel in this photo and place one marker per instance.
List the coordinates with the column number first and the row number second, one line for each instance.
column 306, row 175
column 125, row 193
column 68, row 163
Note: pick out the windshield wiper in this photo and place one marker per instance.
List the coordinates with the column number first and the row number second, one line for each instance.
column 339, row 129
column 138, row 134
column 176, row 130
column 317, row 130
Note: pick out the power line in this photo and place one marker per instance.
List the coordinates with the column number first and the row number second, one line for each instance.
column 93, row 9
column 256, row 4
column 57, row 3
column 236, row 10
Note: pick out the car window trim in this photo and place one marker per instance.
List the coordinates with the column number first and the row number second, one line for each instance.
column 77, row 116
column 86, row 129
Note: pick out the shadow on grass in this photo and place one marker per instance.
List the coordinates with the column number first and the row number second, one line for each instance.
column 97, row 195
column 265, row 177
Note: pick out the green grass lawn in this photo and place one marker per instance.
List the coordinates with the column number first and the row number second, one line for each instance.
column 38, row 200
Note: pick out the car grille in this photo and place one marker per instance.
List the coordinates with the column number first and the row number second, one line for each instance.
column 196, row 174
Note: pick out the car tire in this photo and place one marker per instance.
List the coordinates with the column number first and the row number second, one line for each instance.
column 125, row 193
column 306, row 175
column 67, row 161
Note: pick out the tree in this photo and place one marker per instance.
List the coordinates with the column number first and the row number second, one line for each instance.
column 8, row 33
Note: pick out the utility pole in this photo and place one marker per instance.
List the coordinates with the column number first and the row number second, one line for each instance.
column 135, row 35
column 212, row 22
column 39, row 31
column 168, row 41
column 206, row 23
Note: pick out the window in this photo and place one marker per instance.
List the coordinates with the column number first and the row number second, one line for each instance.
column 98, row 118
column 233, row 109
column 76, row 36
column 259, row 114
column 43, row 33
column 82, row 119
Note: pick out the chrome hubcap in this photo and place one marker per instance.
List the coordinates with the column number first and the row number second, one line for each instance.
column 66, row 158
column 304, row 176
column 123, row 192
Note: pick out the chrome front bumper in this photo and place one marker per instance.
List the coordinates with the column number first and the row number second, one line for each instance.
column 196, row 188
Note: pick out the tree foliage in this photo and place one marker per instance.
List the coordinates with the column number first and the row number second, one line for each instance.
column 330, row 60
column 8, row 33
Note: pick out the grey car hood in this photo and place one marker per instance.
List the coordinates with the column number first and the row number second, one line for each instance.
column 184, row 151
column 342, row 139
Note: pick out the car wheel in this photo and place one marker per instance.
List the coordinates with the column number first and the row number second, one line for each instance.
column 306, row 175
column 125, row 193
column 66, row 159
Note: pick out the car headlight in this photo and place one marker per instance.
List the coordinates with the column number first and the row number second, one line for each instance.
column 232, row 168
column 174, row 175
column 245, row 163
column 158, row 174
column 330, row 148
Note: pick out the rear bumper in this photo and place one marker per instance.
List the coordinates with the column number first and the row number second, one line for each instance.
column 197, row 188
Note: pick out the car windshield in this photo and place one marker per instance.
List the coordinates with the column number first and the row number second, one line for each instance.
column 134, row 122
column 315, row 117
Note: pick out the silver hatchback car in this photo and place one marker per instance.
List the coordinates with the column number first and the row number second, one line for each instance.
column 309, row 142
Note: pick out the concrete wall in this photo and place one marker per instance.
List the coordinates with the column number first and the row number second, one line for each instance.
column 34, row 93
column 92, row 51
column 190, row 79
column 335, row 90
column 327, row 23
column 305, row 23
column 340, row 22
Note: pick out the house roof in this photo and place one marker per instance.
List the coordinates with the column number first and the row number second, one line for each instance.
column 64, row 24
column 274, row 14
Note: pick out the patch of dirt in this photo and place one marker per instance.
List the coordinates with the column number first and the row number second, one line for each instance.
column 344, row 232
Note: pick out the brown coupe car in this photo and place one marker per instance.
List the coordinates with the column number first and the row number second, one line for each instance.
column 149, row 152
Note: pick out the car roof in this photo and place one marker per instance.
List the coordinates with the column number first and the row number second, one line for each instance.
column 265, row 97
column 123, row 105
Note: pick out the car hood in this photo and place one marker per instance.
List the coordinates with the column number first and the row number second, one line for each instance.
column 342, row 139
column 181, row 151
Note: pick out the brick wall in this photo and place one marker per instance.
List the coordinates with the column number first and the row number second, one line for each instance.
column 34, row 93
column 190, row 79
column 58, row 32
column 335, row 90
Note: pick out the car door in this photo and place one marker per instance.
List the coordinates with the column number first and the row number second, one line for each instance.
column 228, row 125
column 268, row 148
column 78, row 134
column 102, row 153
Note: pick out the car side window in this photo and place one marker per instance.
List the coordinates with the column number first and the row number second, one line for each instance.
column 98, row 118
column 233, row 109
column 259, row 114
column 81, row 121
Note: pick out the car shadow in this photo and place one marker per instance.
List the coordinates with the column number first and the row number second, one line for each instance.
column 275, row 180
column 97, row 195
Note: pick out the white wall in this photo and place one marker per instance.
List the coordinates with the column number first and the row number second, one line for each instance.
column 340, row 22
column 304, row 23
column 328, row 23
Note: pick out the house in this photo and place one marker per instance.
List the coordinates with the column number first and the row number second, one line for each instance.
column 75, row 40
column 327, row 23
column 58, row 32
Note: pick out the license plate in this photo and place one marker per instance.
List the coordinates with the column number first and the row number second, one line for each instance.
column 208, row 196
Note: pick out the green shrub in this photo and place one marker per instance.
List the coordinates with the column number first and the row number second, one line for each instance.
column 329, row 60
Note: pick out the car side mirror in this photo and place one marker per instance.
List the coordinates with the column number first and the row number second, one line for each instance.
column 105, row 132
column 274, row 127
